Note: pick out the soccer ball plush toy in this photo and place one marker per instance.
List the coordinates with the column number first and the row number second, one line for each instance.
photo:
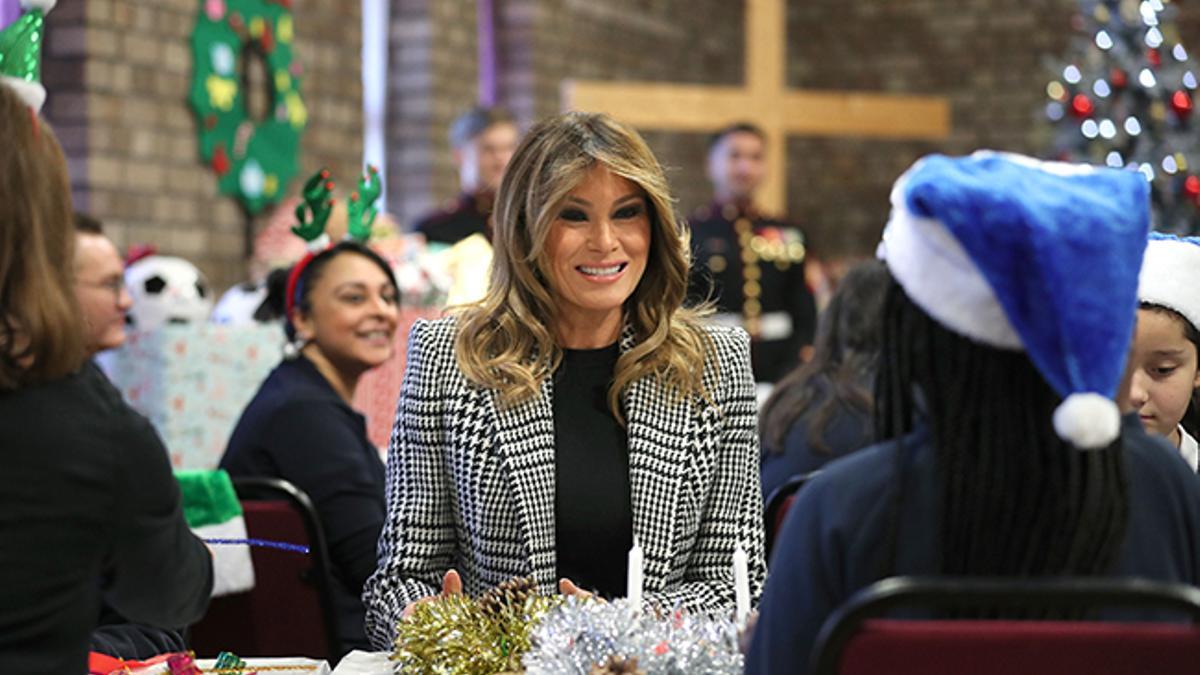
column 166, row 290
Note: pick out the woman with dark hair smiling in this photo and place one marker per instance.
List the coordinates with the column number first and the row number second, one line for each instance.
column 300, row 426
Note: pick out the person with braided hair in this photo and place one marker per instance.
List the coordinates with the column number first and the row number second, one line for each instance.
column 1002, row 450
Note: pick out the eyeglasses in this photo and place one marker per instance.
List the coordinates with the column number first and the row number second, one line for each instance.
column 115, row 285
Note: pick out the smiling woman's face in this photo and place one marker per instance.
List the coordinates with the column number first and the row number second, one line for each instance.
column 597, row 249
column 353, row 313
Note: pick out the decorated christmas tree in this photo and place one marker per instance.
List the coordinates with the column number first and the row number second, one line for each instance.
column 1124, row 97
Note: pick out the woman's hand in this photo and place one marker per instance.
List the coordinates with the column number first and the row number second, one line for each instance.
column 568, row 588
column 451, row 585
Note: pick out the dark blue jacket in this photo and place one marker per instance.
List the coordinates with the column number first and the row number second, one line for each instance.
column 847, row 431
column 834, row 539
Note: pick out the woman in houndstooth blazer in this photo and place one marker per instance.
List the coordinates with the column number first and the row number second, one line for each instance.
column 588, row 255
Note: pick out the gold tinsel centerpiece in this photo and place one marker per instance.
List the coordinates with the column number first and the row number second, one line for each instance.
column 456, row 634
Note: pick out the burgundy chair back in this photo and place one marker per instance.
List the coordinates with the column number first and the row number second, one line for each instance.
column 778, row 503
column 1025, row 647
column 856, row 640
column 289, row 610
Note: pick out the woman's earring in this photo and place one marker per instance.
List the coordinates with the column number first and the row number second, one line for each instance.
column 292, row 349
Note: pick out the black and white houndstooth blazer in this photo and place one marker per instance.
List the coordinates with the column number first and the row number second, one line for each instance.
column 470, row 484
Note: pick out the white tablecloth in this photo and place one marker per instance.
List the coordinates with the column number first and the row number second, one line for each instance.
column 365, row 663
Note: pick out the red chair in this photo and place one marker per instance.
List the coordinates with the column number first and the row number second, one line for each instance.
column 854, row 641
column 289, row 612
column 777, row 505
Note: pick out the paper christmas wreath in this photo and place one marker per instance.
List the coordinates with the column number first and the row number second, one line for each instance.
column 253, row 160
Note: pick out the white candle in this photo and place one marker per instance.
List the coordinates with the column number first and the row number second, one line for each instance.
column 741, row 585
column 633, row 577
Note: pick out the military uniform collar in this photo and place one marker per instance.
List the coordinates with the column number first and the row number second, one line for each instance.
column 733, row 210
column 479, row 202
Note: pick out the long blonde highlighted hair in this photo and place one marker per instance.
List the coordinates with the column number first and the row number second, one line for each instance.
column 507, row 340
column 41, row 334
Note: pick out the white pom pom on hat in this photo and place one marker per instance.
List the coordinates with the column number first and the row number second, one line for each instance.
column 44, row 5
column 1019, row 254
column 1088, row 420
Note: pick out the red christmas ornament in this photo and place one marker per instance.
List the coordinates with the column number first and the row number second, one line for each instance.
column 1154, row 56
column 268, row 40
column 1191, row 186
column 1181, row 103
column 1082, row 106
column 1118, row 78
column 220, row 161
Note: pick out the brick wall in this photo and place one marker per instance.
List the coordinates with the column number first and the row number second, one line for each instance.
column 682, row 41
column 985, row 56
column 432, row 78
column 118, row 74
column 433, row 73
column 989, row 57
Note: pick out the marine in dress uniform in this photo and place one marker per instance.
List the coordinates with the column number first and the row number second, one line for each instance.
column 752, row 267
column 462, row 217
column 483, row 140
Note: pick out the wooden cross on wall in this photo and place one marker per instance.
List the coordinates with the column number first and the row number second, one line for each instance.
column 766, row 101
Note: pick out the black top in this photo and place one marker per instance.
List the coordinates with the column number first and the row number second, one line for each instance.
column 297, row 428
column 87, row 503
column 593, row 510
column 462, row 217
column 752, row 265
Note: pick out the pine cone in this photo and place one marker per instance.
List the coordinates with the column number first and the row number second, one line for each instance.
column 616, row 665
column 511, row 593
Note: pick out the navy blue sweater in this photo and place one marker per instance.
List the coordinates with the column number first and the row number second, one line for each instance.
column 297, row 428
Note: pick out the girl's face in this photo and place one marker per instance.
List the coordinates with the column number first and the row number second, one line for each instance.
column 1165, row 373
column 353, row 313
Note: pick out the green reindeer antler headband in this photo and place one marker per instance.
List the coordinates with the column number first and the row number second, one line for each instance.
column 313, row 215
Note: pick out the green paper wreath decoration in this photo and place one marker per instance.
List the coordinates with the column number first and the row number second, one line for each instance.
column 253, row 160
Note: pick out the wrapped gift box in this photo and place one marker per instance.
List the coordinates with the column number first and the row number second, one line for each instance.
column 192, row 382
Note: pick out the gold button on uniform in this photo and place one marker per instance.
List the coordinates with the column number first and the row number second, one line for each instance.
column 717, row 264
column 752, row 289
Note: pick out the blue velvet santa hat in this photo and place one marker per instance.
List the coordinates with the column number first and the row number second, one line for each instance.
column 1021, row 254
